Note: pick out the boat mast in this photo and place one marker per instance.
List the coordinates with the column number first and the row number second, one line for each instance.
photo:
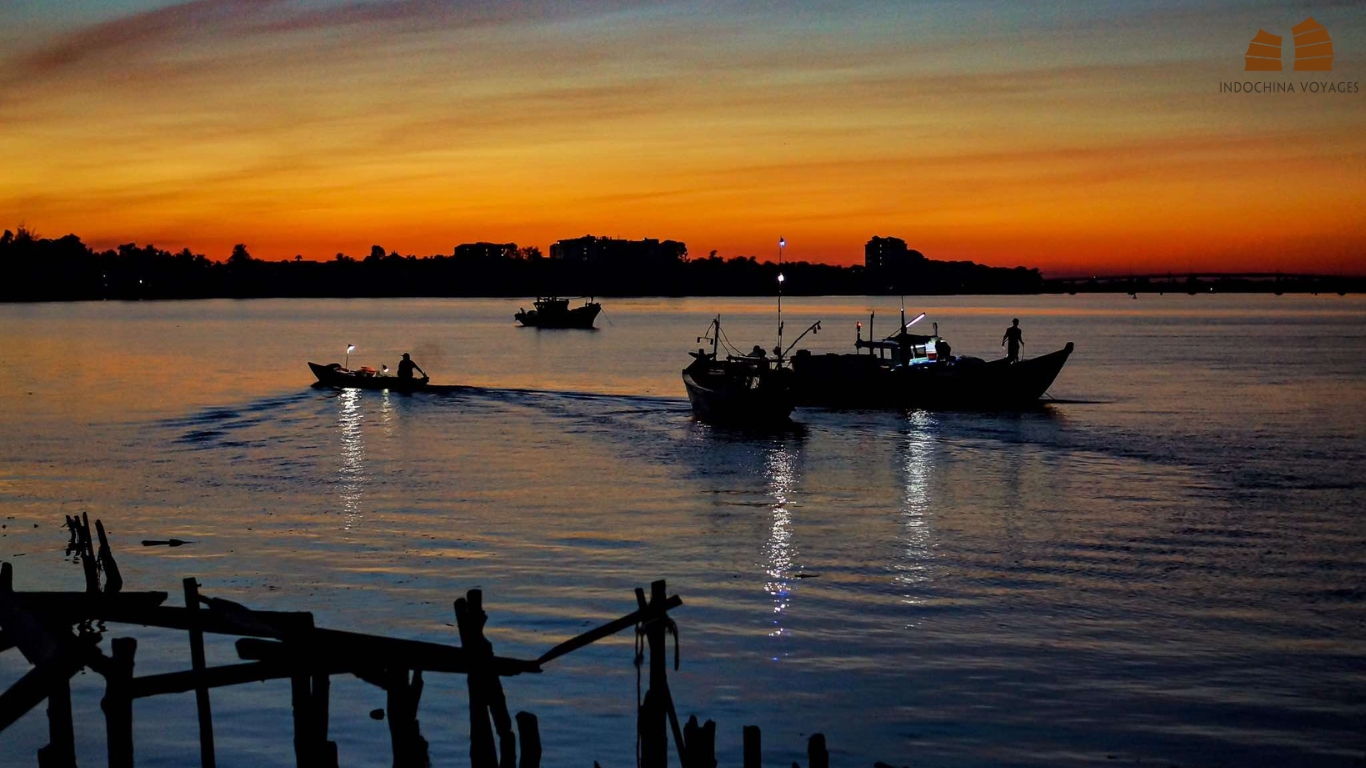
column 782, row 242
column 715, row 335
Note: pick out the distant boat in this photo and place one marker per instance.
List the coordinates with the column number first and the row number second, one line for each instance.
column 334, row 375
column 738, row 390
column 906, row 370
column 552, row 312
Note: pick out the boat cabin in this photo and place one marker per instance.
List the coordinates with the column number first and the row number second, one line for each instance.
column 902, row 348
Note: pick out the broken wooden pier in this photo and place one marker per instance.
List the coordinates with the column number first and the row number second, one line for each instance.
column 54, row 632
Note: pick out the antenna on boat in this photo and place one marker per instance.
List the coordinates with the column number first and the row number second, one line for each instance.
column 349, row 349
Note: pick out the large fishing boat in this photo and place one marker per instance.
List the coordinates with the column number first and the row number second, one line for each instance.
column 907, row 370
column 744, row 390
column 552, row 312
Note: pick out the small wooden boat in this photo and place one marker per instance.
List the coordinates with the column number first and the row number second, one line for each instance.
column 906, row 370
column 551, row 312
column 738, row 390
column 334, row 375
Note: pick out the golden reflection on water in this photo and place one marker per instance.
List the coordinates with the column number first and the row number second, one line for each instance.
column 779, row 550
column 915, row 571
column 351, row 474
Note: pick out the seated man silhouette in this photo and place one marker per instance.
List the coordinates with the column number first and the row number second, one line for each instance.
column 406, row 366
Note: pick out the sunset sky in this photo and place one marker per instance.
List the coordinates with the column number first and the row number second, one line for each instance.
column 1076, row 137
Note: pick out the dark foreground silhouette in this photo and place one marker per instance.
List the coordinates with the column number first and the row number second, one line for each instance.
column 59, row 634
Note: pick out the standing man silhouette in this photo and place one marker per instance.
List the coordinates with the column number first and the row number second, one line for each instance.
column 1015, row 337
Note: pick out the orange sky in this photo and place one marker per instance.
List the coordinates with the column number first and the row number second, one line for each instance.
column 1093, row 139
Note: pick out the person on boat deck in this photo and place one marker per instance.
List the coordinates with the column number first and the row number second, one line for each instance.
column 1015, row 337
column 943, row 351
column 406, row 366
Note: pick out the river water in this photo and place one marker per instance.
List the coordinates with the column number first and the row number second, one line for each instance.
column 1163, row 566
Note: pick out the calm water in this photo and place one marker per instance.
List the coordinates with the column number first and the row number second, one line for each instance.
column 1166, row 566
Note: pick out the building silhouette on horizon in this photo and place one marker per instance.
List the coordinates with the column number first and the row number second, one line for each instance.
column 486, row 251
column 606, row 250
column 889, row 256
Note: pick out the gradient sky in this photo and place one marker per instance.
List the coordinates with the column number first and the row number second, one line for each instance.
column 1074, row 137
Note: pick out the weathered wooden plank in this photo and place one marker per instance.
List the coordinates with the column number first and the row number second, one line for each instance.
column 28, row 692
column 347, row 651
column 113, row 581
column 608, row 629
column 248, row 623
column 212, row 677
column 77, row 606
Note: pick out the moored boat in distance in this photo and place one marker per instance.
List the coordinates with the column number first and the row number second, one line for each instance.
column 907, row 370
column 552, row 312
column 334, row 375
column 738, row 390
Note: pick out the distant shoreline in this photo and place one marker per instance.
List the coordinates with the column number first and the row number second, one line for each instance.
column 34, row 269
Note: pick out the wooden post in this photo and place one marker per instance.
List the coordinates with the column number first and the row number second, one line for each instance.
column 663, row 708
column 301, row 701
column 118, row 702
column 816, row 754
column 701, row 741
column 201, row 693
column 654, row 741
column 654, row 632
column 470, row 618
column 322, row 691
column 87, row 550
column 60, row 751
column 529, row 731
column 753, row 750
column 113, row 581
column 410, row 749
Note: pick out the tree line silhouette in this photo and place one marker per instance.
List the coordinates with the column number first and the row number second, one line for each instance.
column 33, row 268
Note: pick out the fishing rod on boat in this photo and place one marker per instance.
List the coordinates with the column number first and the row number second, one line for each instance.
column 815, row 328
column 713, row 335
column 904, row 324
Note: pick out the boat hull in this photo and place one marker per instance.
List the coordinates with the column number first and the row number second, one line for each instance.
column 727, row 401
column 578, row 317
column 863, row 381
column 334, row 375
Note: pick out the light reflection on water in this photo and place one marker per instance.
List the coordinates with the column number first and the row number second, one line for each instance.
column 915, row 571
column 351, row 474
column 780, row 550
